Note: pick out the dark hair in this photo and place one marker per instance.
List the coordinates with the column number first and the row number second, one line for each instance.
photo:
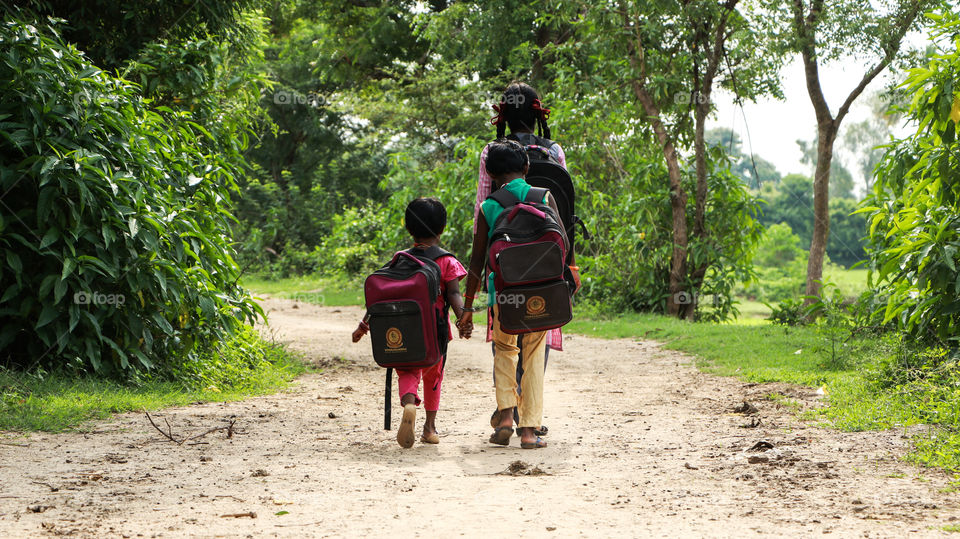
column 505, row 156
column 520, row 108
column 425, row 218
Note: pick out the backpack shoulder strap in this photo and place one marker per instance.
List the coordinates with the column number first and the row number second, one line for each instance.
column 536, row 194
column 434, row 253
column 528, row 139
column 504, row 198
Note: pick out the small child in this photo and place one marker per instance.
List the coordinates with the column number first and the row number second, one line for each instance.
column 425, row 219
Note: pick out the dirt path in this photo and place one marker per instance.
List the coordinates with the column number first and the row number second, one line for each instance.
column 641, row 444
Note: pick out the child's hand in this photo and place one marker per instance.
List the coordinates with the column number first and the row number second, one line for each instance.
column 360, row 331
column 465, row 325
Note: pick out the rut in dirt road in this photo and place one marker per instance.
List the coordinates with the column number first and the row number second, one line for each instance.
column 640, row 444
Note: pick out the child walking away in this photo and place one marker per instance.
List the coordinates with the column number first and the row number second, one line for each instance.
column 408, row 303
column 521, row 111
column 528, row 248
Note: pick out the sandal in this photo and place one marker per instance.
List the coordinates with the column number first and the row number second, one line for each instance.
column 432, row 438
column 501, row 436
column 539, row 444
column 542, row 431
column 495, row 419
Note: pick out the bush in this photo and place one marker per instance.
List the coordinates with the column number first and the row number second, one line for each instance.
column 789, row 312
column 363, row 238
column 113, row 248
column 915, row 205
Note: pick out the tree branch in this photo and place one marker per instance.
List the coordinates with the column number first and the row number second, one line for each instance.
column 890, row 50
column 806, row 31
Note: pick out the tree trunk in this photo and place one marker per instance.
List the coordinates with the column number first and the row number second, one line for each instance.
column 821, row 208
column 700, row 156
column 680, row 299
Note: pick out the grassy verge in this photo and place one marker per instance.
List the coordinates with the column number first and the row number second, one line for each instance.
column 858, row 394
column 56, row 402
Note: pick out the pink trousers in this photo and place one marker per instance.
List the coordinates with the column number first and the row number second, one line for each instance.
column 409, row 382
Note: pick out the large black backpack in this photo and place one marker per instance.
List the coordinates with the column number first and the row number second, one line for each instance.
column 545, row 171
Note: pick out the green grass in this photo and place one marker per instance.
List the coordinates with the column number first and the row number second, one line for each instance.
column 58, row 402
column 326, row 291
column 758, row 351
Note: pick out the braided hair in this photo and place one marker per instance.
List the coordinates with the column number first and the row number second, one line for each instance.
column 520, row 108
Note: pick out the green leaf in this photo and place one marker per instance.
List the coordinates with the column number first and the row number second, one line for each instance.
column 13, row 260
column 49, row 238
column 68, row 266
column 10, row 292
column 49, row 314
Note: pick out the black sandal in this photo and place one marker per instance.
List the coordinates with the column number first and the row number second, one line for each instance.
column 538, row 444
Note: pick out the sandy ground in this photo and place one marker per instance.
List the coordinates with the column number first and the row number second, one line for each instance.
column 641, row 444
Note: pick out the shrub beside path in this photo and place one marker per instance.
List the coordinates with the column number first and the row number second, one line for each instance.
column 640, row 443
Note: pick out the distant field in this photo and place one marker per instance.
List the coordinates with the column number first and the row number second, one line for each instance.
column 335, row 291
column 327, row 291
column 852, row 282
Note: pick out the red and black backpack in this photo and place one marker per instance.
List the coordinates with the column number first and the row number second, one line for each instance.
column 527, row 254
column 407, row 329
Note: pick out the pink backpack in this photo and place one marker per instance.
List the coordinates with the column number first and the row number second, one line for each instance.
column 407, row 329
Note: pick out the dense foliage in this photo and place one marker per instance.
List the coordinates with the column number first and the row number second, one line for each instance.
column 113, row 218
column 915, row 205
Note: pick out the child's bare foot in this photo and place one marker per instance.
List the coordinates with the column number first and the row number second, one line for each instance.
column 405, row 432
column 430, row 435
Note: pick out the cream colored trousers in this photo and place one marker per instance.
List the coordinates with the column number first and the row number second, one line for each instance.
column 506, row 354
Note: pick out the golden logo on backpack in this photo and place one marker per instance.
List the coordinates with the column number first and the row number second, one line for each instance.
column 394, row 338
column 536, row 305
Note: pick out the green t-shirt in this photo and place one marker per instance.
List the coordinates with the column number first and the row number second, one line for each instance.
column 491, row 210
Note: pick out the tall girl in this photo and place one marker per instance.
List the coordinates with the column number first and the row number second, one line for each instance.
column 520, row 110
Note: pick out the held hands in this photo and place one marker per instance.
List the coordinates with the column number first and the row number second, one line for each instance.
column 465, row 324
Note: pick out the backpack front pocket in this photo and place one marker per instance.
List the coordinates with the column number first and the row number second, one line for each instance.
column 530, row 263
column 396, row 330
column 528, row 309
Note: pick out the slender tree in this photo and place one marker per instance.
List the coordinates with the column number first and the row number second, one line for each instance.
column 826, row 31
column 676, row 54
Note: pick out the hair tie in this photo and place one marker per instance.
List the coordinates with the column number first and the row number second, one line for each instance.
column 498, row 119
column 544, row 111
